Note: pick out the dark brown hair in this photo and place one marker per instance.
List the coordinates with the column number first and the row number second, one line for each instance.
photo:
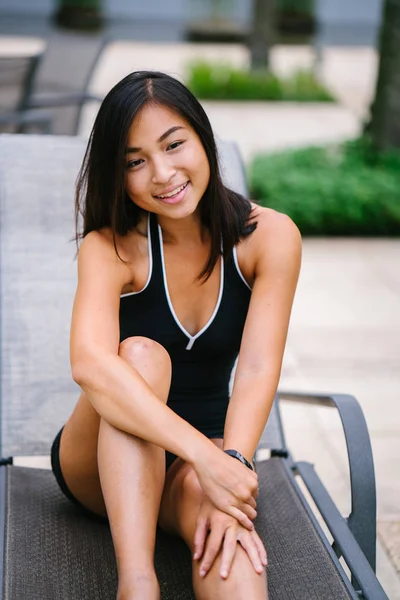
column 101, row 199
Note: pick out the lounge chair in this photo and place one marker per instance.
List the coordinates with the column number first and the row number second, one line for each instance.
column 52, row 551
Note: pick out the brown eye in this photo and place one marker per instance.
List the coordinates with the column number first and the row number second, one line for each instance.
column 174, row 145
column 133, row 163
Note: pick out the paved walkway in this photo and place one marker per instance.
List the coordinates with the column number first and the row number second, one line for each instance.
column 256, row 126
column 344, row 337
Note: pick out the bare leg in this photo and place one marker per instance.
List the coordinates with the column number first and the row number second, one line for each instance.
column 179, row 509
column 106, row 468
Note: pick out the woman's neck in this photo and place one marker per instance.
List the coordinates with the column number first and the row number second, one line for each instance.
column 186, row 231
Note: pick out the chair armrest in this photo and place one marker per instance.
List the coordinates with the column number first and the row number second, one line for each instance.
column 28, row 117
column 64, row 99
column 362, row 520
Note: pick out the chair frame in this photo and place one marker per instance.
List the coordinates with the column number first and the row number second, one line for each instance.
column 354, row 537
column 34, row 109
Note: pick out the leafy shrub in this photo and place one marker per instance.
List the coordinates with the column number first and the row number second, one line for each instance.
column 335, row 190
column 219, row 81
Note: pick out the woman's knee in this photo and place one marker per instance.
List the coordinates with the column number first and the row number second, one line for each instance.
column 151, row 360
column 190, row 488
column 140, row 349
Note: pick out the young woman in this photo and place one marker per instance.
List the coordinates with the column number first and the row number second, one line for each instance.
column 177, row 276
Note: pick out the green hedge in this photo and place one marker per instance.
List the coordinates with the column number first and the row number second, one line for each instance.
column 219, row 81
column 335, row 190
column 296, row 6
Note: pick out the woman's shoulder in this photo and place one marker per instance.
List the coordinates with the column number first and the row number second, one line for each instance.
column 122, row 259
column 273, row 229
column 122, row 248
column 98, row 247
column 275, row 240
column 99, row 239
column 273, row 223
column 98, row 260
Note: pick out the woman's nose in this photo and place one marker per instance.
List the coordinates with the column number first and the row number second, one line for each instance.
column 163, row 170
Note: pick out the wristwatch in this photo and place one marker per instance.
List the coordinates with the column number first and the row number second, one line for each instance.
column 236, row 454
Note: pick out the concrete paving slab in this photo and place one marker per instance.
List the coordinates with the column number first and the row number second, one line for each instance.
column 347, row 289
column 389, row 531
column 308, row 441
column 350, row 73
column 344, row 337
column 387, row 572
column 259, row 127
column 386, row 449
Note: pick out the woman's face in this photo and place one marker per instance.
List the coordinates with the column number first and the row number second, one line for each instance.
column 166, row 167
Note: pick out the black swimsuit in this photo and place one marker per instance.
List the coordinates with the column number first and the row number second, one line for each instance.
column 201, row 364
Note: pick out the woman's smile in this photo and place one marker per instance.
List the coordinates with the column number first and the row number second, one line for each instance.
column 175, row 196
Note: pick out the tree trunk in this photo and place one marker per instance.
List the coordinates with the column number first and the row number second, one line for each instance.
column 384, row 127
column 85, row 15
column 261, row 37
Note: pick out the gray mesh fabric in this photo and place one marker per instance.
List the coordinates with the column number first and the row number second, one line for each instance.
column 53, row 552
column 38, row 280
column 37, row 285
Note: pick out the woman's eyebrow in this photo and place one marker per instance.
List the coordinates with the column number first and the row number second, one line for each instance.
column 160, row 139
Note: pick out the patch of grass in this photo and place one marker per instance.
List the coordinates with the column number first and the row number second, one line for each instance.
column 220, row 81
column 346, row 189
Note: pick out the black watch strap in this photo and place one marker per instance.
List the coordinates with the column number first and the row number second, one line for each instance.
column 236, row 454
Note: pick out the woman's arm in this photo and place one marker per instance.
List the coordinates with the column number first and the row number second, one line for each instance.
column 275, row 251
column 117, row 391
column 122, row 397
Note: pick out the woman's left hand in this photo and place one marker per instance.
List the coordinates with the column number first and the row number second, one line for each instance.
column 225, row 532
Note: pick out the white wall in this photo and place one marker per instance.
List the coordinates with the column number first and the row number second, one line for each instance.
column 328, row 12
column 159, row 9
column 169, row 9
column 37, row 7
column 349, row 11
column 120, row 9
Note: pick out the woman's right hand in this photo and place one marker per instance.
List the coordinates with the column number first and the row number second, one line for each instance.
column 231, row 486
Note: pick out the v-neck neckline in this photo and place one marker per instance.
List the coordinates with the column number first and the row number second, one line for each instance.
column 192, row 338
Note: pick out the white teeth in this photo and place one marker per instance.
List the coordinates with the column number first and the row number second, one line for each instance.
column 174, row 192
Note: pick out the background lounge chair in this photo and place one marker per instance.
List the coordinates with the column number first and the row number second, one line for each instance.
column 44, row 83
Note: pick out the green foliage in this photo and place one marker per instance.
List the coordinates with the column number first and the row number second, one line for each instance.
column 296, row 6
column 336, row 190
column 220, row 81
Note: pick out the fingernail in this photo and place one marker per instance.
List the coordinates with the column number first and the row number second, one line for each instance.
column 202, row 572
column 195, row 556
column 265, row 561
column 224, row 574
